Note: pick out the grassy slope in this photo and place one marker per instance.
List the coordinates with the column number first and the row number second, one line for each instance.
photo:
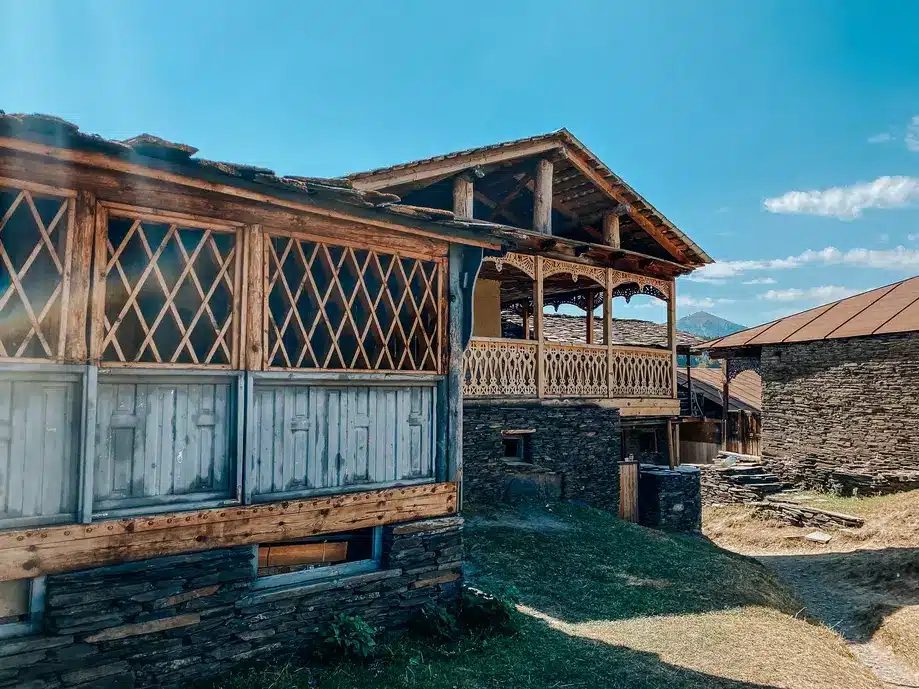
column 608, row 604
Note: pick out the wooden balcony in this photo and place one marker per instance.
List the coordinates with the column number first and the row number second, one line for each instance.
column 639, row 379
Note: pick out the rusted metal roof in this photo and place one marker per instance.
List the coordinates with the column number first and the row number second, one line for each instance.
column 746, row 390
column 579, row 194
column 885, row 310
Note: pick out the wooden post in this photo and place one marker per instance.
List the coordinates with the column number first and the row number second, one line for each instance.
column 542, row 207
column 525, row 317
column 671, row 332
column 462, row 197
column 672, row 451
column 537, row 327
column 611, row 230
column 725, row 404
column 254, row 325
column 454, row 381
column 590, row 317
column 84, row 228
column 689, row 381
column 608, row 330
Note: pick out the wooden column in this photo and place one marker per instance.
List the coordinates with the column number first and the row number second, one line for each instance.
column 254, row 324
column 673, row 429
column 725, row 405
column 462, row 197
column 537, row 328
column 590, row 318
column 80, row 261
column 689, row 381
column 608, row 329
column 611, row 230
column 454, row 381
column 525, row 318
column 671, row 332
column 542, row 207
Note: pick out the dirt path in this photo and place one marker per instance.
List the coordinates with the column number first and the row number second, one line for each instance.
column 826, row 599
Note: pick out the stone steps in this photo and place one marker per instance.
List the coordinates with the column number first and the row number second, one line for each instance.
column 742, row 482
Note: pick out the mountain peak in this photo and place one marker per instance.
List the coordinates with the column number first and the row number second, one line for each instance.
column 707, row 325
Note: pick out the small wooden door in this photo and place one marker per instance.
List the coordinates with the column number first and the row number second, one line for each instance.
column 628, row 491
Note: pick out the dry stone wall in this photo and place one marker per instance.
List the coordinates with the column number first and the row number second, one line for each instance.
column 842, row 414
column 579, row 444
column 171, row 620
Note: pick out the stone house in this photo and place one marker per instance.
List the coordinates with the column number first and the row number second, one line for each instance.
column 840, row 390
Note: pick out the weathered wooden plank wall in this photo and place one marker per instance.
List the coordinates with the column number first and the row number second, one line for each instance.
column 39, row 451
column 319, row 437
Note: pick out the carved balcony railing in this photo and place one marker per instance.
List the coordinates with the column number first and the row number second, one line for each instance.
column 576, row 370
column 500, row 368
column 497, row 367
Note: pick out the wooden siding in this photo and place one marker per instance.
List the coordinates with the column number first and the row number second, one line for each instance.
column 314, row 438
column 163, row 441
column 39, row 448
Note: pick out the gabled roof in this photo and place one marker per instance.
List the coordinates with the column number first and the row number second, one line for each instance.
column 882, row 311
column 562, row 328
column 590, row 189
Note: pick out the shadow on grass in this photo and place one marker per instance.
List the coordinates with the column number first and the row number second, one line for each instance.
column 578, row 564
column 853, row 592
column 538, row 657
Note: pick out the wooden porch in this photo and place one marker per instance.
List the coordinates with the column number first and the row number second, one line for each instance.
column 638, row 379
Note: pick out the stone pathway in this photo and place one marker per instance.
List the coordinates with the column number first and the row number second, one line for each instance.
column 826, row 600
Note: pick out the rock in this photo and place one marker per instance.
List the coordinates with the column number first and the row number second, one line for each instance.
column 818, row 537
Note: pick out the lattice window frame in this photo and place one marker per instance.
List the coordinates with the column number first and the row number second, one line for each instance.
column 230, row 272
column 54, row 346
column 436, row 291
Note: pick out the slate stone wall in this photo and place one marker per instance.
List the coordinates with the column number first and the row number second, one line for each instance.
column 842, row 413
column 670, row 499
column 168, row 621
column 579, row 442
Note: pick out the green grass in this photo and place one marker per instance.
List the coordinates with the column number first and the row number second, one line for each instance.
column 573, row 565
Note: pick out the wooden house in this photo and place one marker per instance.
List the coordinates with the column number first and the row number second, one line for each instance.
column 839, row 390
column 584, row 238
column 230, row 406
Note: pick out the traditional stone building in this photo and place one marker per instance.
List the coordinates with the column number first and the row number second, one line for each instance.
column 840, row 390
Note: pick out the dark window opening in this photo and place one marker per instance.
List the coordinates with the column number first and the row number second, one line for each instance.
column 513, row 447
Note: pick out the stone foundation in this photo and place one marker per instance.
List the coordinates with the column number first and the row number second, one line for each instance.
column 841, row 414
column 168, row 621
column 579, row 444
column 670, row 499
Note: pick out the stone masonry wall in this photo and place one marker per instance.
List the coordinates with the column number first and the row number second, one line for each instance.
column 842, row 413
column 670, row 499
column 580, row 442
column 168, row 621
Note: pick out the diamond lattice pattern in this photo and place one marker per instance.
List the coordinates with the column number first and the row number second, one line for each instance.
column 33, row 236
column 333, row 307
column 169, row 293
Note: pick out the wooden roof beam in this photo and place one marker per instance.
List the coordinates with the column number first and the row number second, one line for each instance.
column 619, row 196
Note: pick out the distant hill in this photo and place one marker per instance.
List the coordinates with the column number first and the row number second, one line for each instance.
column 707, row 325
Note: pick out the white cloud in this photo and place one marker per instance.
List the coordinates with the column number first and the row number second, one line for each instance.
column 884, row 238
column 823, row 293
column 693, row 277
column 881, row 138
column 700, row 302
column 912, row 135
column 847, row 203
column 760, row 281
column 898, row 258
column 913, row 237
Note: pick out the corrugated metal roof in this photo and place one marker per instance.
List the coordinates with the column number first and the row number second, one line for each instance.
column 564, row 138
column 885, row 310
column 746, row 389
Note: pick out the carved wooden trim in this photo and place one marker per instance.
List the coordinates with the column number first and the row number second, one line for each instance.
column 553, row 266
column 524, row 263
column 620, row 277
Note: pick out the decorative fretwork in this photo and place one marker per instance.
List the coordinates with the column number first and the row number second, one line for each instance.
column 339, row 308
column 576, row 371
column 737, row 365
column 622, row 285
column 553, row 266
column 641, row 373
column 524, row 263
column 578, row 300
column 171, row 291
column 33, row 294
column 495, row 368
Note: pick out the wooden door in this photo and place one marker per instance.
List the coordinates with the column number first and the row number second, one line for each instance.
column 628, row 491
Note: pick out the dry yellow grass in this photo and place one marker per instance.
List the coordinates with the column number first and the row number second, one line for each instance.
column 899, row 631
column 753, row 644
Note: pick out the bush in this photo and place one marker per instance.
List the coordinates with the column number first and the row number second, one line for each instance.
column 480, row 611
column 349, row 636
column 434, row 622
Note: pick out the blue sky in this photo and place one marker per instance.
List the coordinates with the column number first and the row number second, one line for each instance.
column 715, row 111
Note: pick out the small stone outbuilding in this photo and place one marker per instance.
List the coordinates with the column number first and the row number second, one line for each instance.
column 840, row 390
